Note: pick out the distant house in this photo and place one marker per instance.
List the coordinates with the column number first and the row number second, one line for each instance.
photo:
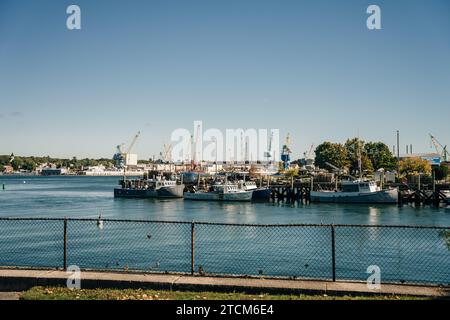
column 8, row 169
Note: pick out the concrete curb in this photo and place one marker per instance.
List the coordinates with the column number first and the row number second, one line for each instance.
column 20, row 280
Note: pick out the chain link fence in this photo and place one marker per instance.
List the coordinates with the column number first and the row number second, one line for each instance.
column 404, row 254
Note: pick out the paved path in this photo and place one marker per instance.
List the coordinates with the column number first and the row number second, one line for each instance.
column 9, row 295
column 19, row 280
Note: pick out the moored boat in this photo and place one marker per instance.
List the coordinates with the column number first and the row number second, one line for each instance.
column 447, row 196
column 259, row 194
column 357, row 191
column 149, row 188
column 220, row 192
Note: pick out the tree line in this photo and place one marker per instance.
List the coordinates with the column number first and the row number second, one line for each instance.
column 374, row 156
column 31, row 163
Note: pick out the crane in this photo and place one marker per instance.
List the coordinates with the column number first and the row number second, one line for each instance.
column 268, row 153
column 440, row 149
column 308, row 154
column 166, row 153
column 339, row 171
column 285, row 153
column 133, row 142
column 194, row 146
column 120, row 155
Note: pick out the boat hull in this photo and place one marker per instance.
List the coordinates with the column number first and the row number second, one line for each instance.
column 383, row 196
column 261, row 194
column 213, row 196
column 163, row 192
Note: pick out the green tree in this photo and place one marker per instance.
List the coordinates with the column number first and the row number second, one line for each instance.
column 29, row 164
column 380, row 156
column 441, row 172
column 333, row 153
column 17, row 163
column 354, row 148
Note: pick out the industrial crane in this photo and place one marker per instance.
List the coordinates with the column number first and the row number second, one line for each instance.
column 339, row 171
column 285, row 153
column 308, row 154
column 440, row 149
column 120, row 156
column 166, row 153
column 268, row 153
column 195, row 141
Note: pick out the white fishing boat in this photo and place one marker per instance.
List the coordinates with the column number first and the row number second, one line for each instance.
column 357, row 191
column 220, row 192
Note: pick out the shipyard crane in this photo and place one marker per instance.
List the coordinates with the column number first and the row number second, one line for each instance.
column 268, row 153
column 120, row 156
column 166, row 153
column 440, row 149
column 308, row 154
column 133, row 142
column 285, row 153
column 194, row 146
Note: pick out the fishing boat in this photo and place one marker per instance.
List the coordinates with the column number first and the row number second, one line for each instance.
column 259, row 194
column 220, row 192
column 150, row 188
column 357, row 191
column 447, row 196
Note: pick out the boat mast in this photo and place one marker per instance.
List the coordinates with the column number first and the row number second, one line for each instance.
column 359, row 159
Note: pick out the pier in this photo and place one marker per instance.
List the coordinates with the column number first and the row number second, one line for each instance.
column 422, row 196
column 297, row 193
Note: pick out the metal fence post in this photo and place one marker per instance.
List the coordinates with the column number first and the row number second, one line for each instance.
column 333, row 253
column 65, row 244
column 192, row 248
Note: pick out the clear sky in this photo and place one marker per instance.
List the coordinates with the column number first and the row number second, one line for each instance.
column 311, row 68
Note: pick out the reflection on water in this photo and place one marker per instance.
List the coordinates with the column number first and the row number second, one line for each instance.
column 401, row 253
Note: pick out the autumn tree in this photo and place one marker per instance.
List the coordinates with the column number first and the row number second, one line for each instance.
column 414, row 165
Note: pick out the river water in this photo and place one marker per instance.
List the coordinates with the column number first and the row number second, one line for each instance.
column 403, row 254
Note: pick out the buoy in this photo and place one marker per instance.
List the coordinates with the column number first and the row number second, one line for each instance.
column 100, row 222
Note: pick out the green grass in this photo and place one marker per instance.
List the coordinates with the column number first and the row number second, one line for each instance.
column 60, row 293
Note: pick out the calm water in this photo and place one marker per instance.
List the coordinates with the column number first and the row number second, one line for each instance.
column 411, row 255
column 88, row 196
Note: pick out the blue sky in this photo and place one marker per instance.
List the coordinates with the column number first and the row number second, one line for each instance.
column 310, row 68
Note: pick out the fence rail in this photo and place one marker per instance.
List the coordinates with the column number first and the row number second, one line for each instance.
column 404, row 254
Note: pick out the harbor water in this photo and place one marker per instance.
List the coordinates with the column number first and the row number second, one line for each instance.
column 87, row 197
column 411, row 255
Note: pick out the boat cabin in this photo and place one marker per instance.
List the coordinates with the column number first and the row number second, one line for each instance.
column 359, row 186
column 226, row 188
